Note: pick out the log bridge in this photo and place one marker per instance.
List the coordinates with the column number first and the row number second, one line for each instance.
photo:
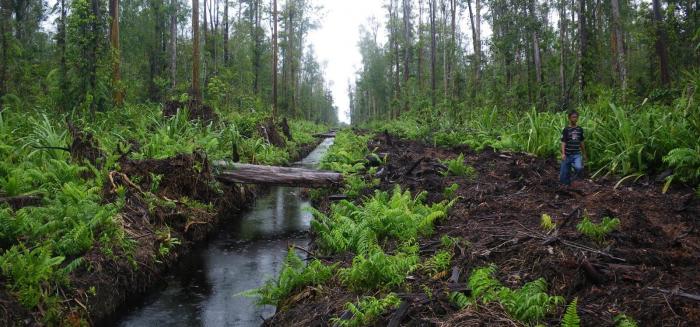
column 238, row 173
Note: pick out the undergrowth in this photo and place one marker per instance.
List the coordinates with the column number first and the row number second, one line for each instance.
column 595, row 231
column 295, row 275
column 367, row 310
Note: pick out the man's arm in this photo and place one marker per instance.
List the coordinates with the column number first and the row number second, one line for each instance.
column 563, row 150
column 583, row 150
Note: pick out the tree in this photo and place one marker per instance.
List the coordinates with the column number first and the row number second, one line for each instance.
column 618, row 45
column 173, row 43
column 196, row 91
column 116, row 53
column 433, row 50
column 661, row 43
column 274, row 58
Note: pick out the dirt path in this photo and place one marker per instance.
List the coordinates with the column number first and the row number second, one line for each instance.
column 639, row 270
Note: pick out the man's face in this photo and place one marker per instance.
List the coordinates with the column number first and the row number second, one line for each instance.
column 573, row 119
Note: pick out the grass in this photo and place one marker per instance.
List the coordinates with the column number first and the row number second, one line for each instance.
column 457, row 167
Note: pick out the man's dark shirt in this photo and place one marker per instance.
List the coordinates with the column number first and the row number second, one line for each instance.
column 572, row 136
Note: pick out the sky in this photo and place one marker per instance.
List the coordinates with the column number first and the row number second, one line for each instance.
column 335, row 43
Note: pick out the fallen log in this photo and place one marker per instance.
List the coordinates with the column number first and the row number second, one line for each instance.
column 325, row 135
column 280, row 176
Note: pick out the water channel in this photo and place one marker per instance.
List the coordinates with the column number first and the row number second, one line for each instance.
column 202, row 290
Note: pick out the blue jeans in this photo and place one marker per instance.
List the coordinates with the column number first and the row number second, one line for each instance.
column 574, row 161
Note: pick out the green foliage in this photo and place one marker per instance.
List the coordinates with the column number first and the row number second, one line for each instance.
column 29, row 271
column 396, row 215
column 378, row 270
column 460, row 300
column 367, row 310
column 437, row 263
column 528, row 304
column 571, row 318
column 293, row 277
column 685, row 163
column 347, row 154
column 546, row 222
column 623, row 320
column 355, row 184
column 450, row 191
column 597, row 231
column 457, row 167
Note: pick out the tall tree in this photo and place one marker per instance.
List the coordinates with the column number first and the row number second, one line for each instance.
column 274, row 58
column 433, row 51
column 661, row 42
column 475, row 21
column 226, row 32
column 196, row 91
column 173, row 43
column 618, row 46
column 562, row 51
column 118, row 92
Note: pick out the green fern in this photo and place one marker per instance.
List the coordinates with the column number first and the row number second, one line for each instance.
column 367, row 310
column 293, row 277
column 457, row 167
column 623, row 320
column 460, row 300
column 528, row 304
column 571, row 318
column 598, row 231
column 378, row 270
column 546, row 222
column 438, row 262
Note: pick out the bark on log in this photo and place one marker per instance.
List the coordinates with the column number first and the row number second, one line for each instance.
column 324, row 135
column 280, row 176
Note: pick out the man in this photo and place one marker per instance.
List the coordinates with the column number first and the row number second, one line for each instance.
column 573, row 151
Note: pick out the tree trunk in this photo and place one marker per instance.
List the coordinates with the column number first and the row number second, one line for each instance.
column 619, row 48
column 433, row 51
column 443, row 33
column 475, row 21
column 562, row 49
column 536, row 47
column 280, row 176
column 196, row 92
column 407, row 40
column 6, row 14
column 226, row 33
column 582, row 48
column 661, row 43
column 420, row 46
column 274, row 59
column 173, row 44
column 453, row 42
column 118, row 93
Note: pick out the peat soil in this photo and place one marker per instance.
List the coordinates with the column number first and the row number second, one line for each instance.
column 151, row 219
column 648, row 269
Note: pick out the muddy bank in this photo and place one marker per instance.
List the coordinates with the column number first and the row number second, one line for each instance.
column 645, row 270
column 184, row 176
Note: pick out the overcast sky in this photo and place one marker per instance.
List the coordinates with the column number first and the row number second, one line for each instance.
column 335, row 43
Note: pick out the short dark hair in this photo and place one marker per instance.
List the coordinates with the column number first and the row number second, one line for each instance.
column 572, row 112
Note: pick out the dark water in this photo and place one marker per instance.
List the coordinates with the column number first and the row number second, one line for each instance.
column 203, row 290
